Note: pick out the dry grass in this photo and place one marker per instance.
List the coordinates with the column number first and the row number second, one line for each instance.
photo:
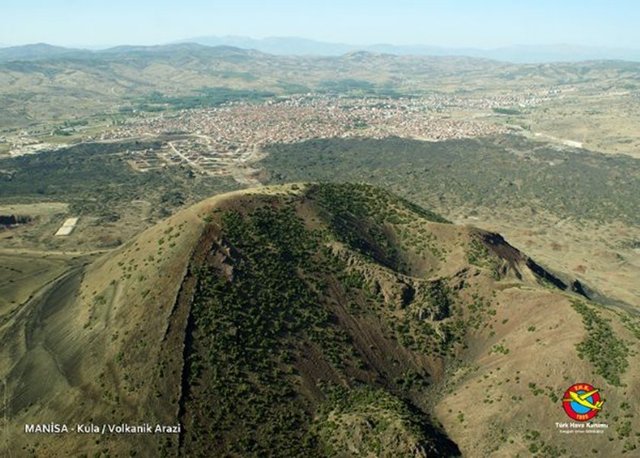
column 600, row 255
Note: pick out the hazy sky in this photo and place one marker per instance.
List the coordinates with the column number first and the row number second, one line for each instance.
column 485, row 23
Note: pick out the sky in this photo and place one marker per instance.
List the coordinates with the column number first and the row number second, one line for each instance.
column 452, row 23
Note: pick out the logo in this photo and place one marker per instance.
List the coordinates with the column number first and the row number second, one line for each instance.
column 582, row 402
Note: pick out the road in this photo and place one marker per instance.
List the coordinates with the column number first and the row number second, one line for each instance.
column 44, row 253
column 240, row 168
column 188, row 161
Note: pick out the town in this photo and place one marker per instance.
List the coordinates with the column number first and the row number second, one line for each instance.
column 217, row 141
column 226, row 140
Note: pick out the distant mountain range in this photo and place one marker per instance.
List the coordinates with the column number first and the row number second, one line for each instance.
column 36, row 51
column 515, row 54
column 306, row 47
column 42, row 51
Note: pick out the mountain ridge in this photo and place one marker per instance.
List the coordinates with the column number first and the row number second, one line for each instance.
column 512, row 54
column 294, row 46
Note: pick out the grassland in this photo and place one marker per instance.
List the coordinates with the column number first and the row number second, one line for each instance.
column 600, row 119
column 22, row 275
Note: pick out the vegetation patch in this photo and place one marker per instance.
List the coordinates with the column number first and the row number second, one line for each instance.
column 601, row 347
column 371, row 422
column 482, row 172
column 241, row 359
column 209, row 97
column 265, row 302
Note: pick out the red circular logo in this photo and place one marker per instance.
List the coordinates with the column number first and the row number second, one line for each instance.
column 582, row 402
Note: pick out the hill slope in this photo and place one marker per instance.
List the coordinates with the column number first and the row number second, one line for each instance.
column 314, row 320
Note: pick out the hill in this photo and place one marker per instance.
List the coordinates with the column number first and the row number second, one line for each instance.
column 315, row 320
column 38, row 51
column 514, row 54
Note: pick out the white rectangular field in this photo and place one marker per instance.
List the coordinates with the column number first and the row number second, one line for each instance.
column 68, row 226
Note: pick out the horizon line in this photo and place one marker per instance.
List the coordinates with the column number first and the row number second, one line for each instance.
column 193, row 40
